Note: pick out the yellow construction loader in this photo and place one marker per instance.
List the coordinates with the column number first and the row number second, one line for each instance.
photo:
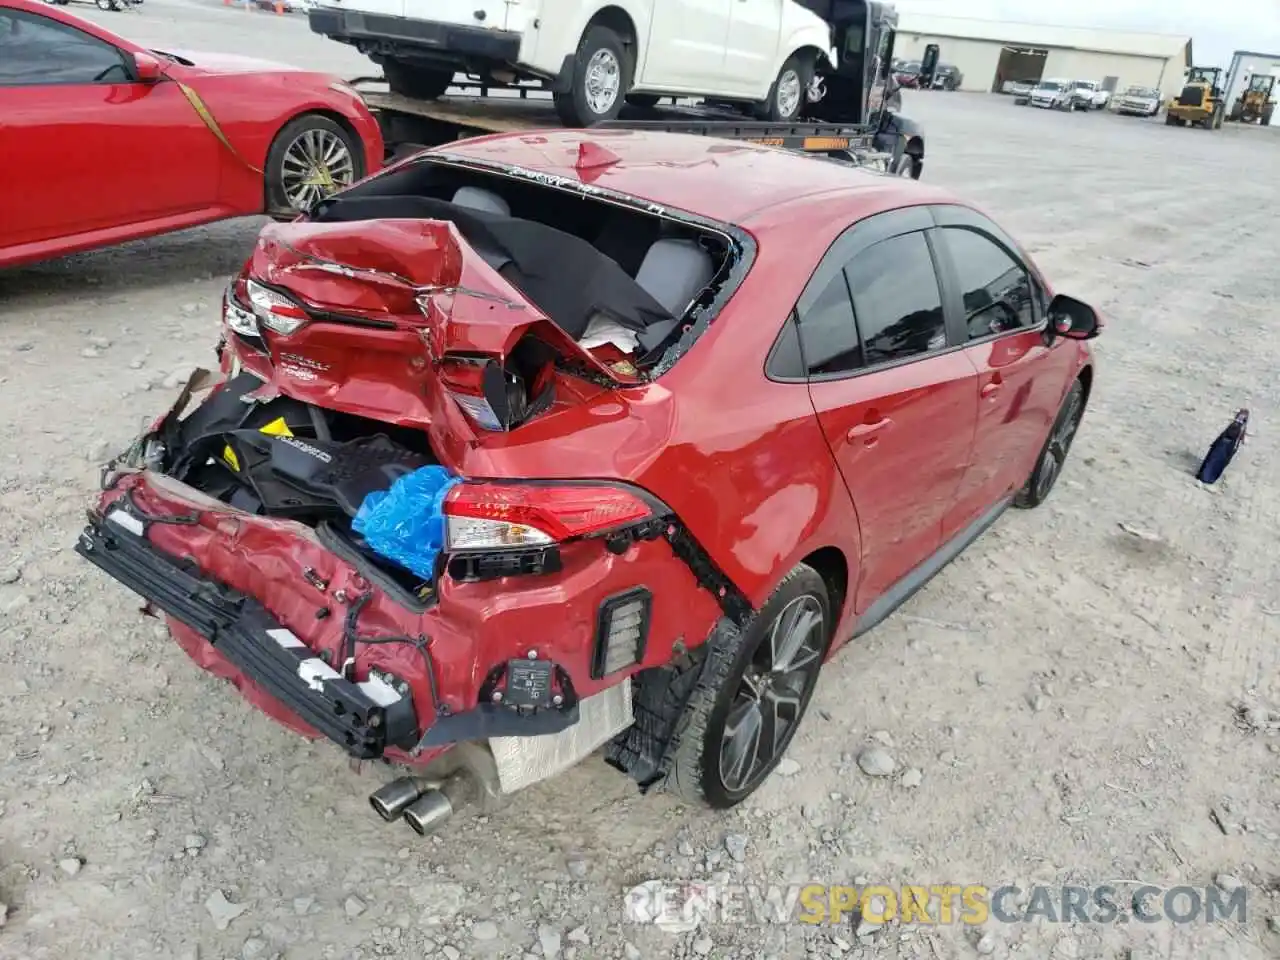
column 1254, row 105
column 1200, row 102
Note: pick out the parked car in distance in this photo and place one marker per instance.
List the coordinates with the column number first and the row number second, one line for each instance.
column 1052, row 95
column 907, row 73
column 591, row 55
column 483, row 448
column 947, row 77
column 1088, row 95
column 105, row 140
column 1021, row 90
column 1138, row 101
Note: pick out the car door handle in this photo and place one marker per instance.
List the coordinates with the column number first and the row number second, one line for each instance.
column 991, row 389
column 862, row 431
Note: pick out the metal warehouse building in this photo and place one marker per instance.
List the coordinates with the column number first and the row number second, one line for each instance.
column 988, row 53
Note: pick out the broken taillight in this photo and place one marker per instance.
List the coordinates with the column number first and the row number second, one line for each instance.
column 514, row 516
column 235, row 310
column 463, row 379
column 274, row 310
column 499, row 396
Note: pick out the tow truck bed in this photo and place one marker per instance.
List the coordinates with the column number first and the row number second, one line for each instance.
column 409, row 124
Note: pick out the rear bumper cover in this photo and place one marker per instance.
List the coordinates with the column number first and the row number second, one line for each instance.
column 364, row 718
column 430, row 39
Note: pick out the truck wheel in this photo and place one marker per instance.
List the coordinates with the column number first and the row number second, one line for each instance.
column 417, row 82
column 1266, row 117
column 907, row 167
column 786, row 96
column 753, row 695
column 1054, row 453
column 310, row 158
column 601, row 75
column 1170, row 120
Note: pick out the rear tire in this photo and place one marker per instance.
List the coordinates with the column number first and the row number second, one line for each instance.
column 787, row 94
column 420, row 83
column 1053, row 455
column 702, row 769
column 296, row 141
column 601, row 77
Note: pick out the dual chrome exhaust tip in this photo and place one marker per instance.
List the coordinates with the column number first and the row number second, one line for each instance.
column 425, row 804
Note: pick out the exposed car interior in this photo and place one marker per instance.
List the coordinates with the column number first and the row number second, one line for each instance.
column 640, row 270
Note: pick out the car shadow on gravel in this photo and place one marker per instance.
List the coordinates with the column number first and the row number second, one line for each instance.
column 188, row 256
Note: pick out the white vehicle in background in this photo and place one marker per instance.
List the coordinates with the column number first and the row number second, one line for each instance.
column 1088, row 95
column 1139, row 102
column 593, row 54
column 1020, row 90
column 1051, row 95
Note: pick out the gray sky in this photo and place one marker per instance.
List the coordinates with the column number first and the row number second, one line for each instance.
column 1216, row 27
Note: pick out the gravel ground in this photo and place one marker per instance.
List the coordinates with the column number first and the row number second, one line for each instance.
column 1080, row 699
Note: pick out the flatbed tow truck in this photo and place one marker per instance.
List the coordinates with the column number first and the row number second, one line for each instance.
column 856, row 121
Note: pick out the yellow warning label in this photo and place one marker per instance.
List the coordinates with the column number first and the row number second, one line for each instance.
column 229, row 455
column 277, row 428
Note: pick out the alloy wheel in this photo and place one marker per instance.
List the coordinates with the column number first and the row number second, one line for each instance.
column 1055, row 454
column 788, row 93
column 603, row 81
column 316, row 164
column 770, row 699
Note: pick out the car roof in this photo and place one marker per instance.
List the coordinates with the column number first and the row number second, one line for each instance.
column 725, row 180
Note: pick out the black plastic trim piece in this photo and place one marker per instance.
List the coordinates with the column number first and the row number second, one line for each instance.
column 238, row 626
column 434, row 39
column 600, row 655
column 493, row 720
column 732, row 601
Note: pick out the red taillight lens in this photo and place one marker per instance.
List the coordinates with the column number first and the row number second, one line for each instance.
column 488, row 516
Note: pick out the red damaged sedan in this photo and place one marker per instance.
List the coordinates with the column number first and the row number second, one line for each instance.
column 104, row 141
column 533, row 444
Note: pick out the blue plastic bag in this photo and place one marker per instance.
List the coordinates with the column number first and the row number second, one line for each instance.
column 406, row 522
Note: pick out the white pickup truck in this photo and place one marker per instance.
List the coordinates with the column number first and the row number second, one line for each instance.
column 1088, row 95
column 594, row 55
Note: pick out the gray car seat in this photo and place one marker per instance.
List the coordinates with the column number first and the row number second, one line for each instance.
column 673, row 271
column 478, row 198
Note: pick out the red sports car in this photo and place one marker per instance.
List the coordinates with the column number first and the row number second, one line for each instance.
column 538, row 442
column 104, row 141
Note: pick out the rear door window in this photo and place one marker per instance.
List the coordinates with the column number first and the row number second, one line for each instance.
column 896, row 300
column 829, row 333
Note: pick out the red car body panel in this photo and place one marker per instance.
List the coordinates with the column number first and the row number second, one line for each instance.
column 167, row 170
column 472, row 626
column 763, row 473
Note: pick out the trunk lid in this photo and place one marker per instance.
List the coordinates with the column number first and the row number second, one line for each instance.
column 396, row 311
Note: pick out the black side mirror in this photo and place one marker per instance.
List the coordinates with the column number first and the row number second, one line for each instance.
column 929, row 63
column 1074, row 319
